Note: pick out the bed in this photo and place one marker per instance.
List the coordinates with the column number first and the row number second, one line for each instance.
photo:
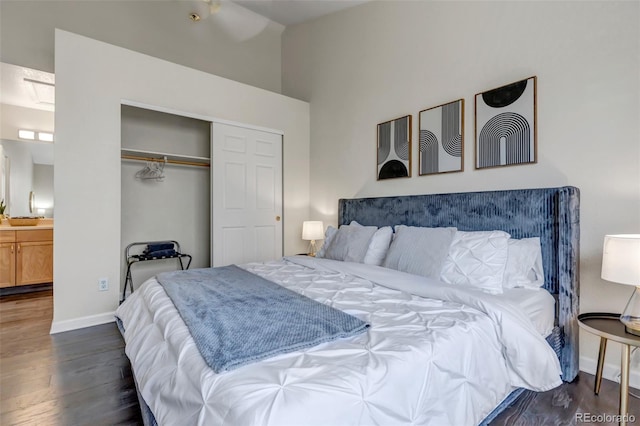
column 423, row 360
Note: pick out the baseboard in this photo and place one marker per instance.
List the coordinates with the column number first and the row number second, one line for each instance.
column 82, row 322
column 21, row 289
column 612, row 370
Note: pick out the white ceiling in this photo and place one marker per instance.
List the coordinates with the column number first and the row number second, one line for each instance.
column 292, row 12
column 18, row 85
column 26, row 87
column 35, row 89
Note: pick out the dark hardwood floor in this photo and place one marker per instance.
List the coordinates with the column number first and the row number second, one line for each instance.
column 79, row 377
column 83, row 377
column 569, row 404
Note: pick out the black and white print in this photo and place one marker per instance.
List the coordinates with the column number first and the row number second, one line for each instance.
column 441, row 138
column 394, row 148
column 505, row 125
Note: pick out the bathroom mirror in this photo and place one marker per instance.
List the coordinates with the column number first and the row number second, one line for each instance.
column 4, row 177
column 28, row 171
column 27, row 103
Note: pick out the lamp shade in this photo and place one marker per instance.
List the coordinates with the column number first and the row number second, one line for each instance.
column 621, row 259
column 312, row 230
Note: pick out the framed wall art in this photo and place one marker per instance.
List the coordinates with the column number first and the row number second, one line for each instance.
column 442, row 139
column 394, row 148
column 506, row 125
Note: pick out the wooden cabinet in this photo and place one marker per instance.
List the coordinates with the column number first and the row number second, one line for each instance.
column 7, row 258
column 26, row 257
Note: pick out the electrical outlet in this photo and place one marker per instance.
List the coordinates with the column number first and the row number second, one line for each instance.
column 103, row 284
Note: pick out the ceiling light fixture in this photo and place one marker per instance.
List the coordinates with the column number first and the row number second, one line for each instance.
column 32, row 135
column 27, row 134
column 45, row 136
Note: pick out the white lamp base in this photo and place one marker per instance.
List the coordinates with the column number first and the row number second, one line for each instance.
column 630, row 317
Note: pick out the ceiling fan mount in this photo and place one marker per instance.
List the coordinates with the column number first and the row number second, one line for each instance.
column 205, row 9
column 239, row 22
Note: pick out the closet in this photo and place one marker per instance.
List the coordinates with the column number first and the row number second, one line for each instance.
column 165, row 200
column 214, row 186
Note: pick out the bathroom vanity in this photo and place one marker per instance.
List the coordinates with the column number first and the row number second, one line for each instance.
column 26, row 255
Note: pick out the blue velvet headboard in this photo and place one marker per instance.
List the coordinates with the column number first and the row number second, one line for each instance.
column 553, row 214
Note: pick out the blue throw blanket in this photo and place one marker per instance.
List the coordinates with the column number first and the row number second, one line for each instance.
column 236, row 317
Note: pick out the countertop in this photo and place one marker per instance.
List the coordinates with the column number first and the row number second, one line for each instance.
column 24, row 228
column 43, row 224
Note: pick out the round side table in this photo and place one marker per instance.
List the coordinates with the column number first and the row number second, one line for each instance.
column 609, row 327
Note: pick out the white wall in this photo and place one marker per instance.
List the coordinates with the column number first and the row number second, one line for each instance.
column 92, row 79
column 382, row 60
column 158, row 28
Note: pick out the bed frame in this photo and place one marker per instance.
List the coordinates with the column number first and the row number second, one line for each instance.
column 549, row 213
column 553, row 214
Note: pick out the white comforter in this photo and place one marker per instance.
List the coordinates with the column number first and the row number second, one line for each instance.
column 443, row 355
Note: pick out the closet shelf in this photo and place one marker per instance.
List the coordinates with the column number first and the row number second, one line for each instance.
column 142, row 155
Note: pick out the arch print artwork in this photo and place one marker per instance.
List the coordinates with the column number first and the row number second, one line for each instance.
column 442, row 138
column 506, row 125
column 394, row 148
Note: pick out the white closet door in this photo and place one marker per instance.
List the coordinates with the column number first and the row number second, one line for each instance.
column 246, row 211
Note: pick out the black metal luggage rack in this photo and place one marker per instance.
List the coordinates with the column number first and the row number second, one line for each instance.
column 150, row 254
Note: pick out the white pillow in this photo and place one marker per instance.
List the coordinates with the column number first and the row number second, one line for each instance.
column 478, row 259
column 418, row 250
column 524, row 264
column 350, row 243
column 378, row 246
column 329, row 234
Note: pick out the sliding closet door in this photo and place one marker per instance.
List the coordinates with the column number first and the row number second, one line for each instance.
column 246, row 172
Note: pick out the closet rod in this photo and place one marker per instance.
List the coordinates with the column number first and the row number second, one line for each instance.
column 182, row 163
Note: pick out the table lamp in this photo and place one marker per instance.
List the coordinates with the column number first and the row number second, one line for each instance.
column 621, row 264
column 312, row 230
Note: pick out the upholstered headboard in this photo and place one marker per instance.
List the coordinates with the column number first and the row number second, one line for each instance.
column 553, row 214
